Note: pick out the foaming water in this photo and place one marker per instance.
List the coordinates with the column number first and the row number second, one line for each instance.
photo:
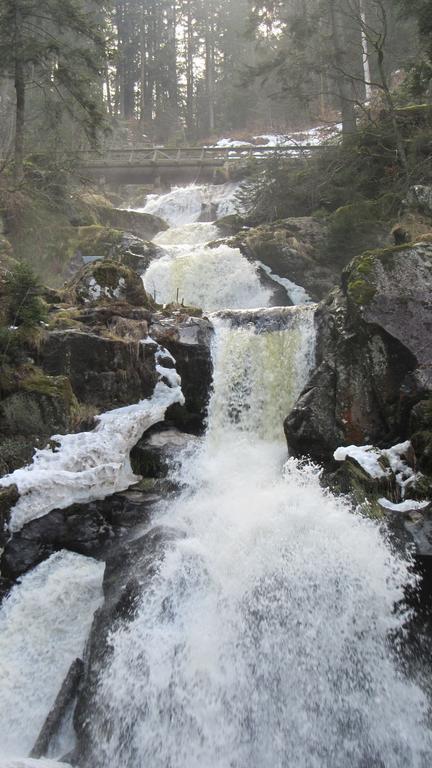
column 203, row 275
column 263, row 639
column 207, row 277
column 44, row 625
column 261, row 360
column 185, row 205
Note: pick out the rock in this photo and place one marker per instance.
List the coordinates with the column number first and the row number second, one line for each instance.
column 136, row 253
column 158, row 451
column 8, row 498
column 188, row 339
column 80, row 528
column 107, row 281
column 129, row 573
column 420, row 427
column 294, row 249
column 105, row 372
column 40, row 407
column 143, row 225
column 419, row 198
column 89, row 529
column 374, row 346
column 230, row 224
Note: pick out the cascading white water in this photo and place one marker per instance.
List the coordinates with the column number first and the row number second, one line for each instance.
column 263, row 639
column 209, row 276
column 185, row 205
column 194, row 268
column 44, row 625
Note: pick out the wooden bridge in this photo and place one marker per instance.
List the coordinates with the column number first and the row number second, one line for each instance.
column 157, row 165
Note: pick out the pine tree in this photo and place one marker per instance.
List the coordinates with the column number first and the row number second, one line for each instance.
column 57, row 46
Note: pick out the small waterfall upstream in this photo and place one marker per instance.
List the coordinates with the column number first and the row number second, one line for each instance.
column 264, row 638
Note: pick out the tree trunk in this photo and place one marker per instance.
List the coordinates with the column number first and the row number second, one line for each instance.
column 190, row 73
column 365, row 51
column 20, row 89
column 344, row 87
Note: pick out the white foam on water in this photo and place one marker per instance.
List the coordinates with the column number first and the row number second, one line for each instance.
column 88, row 465
column 44, row 625
column 30, row 763
column 186, row 205
column 263, row 639
column 210, row 278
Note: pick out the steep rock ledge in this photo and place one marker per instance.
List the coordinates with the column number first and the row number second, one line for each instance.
column 374, row 353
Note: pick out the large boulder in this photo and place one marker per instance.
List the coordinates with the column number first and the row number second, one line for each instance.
column 107, row 280
column 92, row 529
column 37, row 407
column 142, row 224
column 128, row 574
column 374, row 346
column 292, row 249
column 188, row 340
column 105, row 371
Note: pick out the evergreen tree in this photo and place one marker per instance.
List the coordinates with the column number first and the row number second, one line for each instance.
column 58, row 47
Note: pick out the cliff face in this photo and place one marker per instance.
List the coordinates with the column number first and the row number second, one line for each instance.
column 374, row 355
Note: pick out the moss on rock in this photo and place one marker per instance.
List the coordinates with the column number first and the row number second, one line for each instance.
column 108, row 280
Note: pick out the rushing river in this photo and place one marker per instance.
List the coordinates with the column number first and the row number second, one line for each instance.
column 265, row 638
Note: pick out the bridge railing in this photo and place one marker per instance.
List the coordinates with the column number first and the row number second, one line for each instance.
column 186, row 155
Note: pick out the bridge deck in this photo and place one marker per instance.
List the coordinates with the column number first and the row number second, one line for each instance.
column 213, row 156
column 150, row 164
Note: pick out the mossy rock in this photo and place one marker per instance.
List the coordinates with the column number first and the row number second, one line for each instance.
column 98, row 242
column 40, row 406
column 231, row 224
column 143, row 225
column 105, row 281
column 360, row 278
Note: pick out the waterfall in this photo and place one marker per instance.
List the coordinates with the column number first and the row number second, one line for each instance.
column 263, row 639
column 265, row 636
column 202, row 273
column 44, row 625
column 185, row 205
column 262, row 361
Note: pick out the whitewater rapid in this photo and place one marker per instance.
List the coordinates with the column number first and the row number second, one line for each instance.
column 265, row 637
column 198, row 268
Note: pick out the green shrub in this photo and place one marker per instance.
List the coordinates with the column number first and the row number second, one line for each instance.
column 23, row 292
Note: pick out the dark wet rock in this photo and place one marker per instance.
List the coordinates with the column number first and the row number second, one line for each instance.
column 40, row 407
column 105, row 372
column 8, row 498
column 5, row 588
column 374, row 346
column 89, row 529
column 188, row 340
column 128, row 575
column 143, row 225
column 293, row 249
column 158, row 451
column 80, row 528
column 420, row 427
